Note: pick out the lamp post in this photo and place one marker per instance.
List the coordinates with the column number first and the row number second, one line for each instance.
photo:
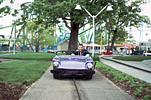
column 14, row 39
column 109, row 8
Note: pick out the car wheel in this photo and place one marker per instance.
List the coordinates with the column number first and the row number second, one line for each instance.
column 88, row 77
column 56, row 76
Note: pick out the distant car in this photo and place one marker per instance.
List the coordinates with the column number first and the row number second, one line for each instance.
column 147, row 54
column 105, row 52
column 51, row 51
column 72, row 65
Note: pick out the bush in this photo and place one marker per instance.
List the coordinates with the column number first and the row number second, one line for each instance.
column 137, row 48
column 96, row 58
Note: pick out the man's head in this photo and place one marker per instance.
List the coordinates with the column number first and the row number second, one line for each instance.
column 80, row 47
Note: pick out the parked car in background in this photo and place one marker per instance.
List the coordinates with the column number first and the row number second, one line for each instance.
column 148, row 53
column 105, row 52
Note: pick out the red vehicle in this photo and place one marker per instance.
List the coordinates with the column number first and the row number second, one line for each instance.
column 105, row 52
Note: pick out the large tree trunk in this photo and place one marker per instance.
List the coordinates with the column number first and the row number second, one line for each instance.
column 37, row 48
column 73, row 41
column 113, row 39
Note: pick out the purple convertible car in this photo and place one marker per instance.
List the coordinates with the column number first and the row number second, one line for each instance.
column 72, row 65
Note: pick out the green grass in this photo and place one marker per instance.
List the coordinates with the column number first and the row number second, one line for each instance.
column 6, row 52
column 22, row 71
column 30, row 55
column 117, row 74
column 5, row 60
column 3, row 52
column 133, row 58
column 139, row 87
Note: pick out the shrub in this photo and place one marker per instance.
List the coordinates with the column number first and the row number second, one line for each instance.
column 96, row 58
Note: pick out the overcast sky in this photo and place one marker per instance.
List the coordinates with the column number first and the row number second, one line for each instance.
column 136, row 33
column 7, row 20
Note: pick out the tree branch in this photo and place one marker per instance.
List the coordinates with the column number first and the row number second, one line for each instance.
column 83, row 25
column 66, row 24
column 64, row 18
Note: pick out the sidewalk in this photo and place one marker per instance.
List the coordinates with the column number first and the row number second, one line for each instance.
column 121, row 66
column 5, row 54
column 48, row 88
column 146, row 64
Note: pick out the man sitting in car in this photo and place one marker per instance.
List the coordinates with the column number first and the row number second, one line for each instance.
column 81, row 51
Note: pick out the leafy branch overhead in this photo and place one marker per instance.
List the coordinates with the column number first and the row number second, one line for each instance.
column 4, row 10
column 126, row 13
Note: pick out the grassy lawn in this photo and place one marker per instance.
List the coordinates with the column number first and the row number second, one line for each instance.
column 139, row 89
column 16, row 76
column 30, row 55
column 3, row 52
column 133, row 58
column 22, row 71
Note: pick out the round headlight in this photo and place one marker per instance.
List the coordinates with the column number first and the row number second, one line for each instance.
column 55, row 64
column 87, row 55
column 89, row 65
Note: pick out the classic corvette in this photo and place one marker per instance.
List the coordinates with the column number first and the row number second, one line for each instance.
column 73, row 65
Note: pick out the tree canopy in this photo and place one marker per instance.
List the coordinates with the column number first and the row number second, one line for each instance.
column 5, row 10
column 126, row 13
column 39, row 35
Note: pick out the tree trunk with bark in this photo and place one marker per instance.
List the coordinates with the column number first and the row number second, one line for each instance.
column 73, row 40
column 37, row 48
column 113, row 39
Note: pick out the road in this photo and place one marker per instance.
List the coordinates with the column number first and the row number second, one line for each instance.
column 99, row 88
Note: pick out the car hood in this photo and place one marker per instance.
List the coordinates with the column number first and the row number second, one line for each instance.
column 73, row 62
column 72, row 65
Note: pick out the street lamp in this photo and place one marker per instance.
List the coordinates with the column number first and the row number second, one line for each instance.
column 109, row 8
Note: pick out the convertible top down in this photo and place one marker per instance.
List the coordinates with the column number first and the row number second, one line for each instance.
column 73, row 65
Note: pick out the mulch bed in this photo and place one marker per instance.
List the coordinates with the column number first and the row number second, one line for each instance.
column 9, row 91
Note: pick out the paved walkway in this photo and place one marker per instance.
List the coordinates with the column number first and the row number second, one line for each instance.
column 5, row 54
column 146, row 65
column 99, row 88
